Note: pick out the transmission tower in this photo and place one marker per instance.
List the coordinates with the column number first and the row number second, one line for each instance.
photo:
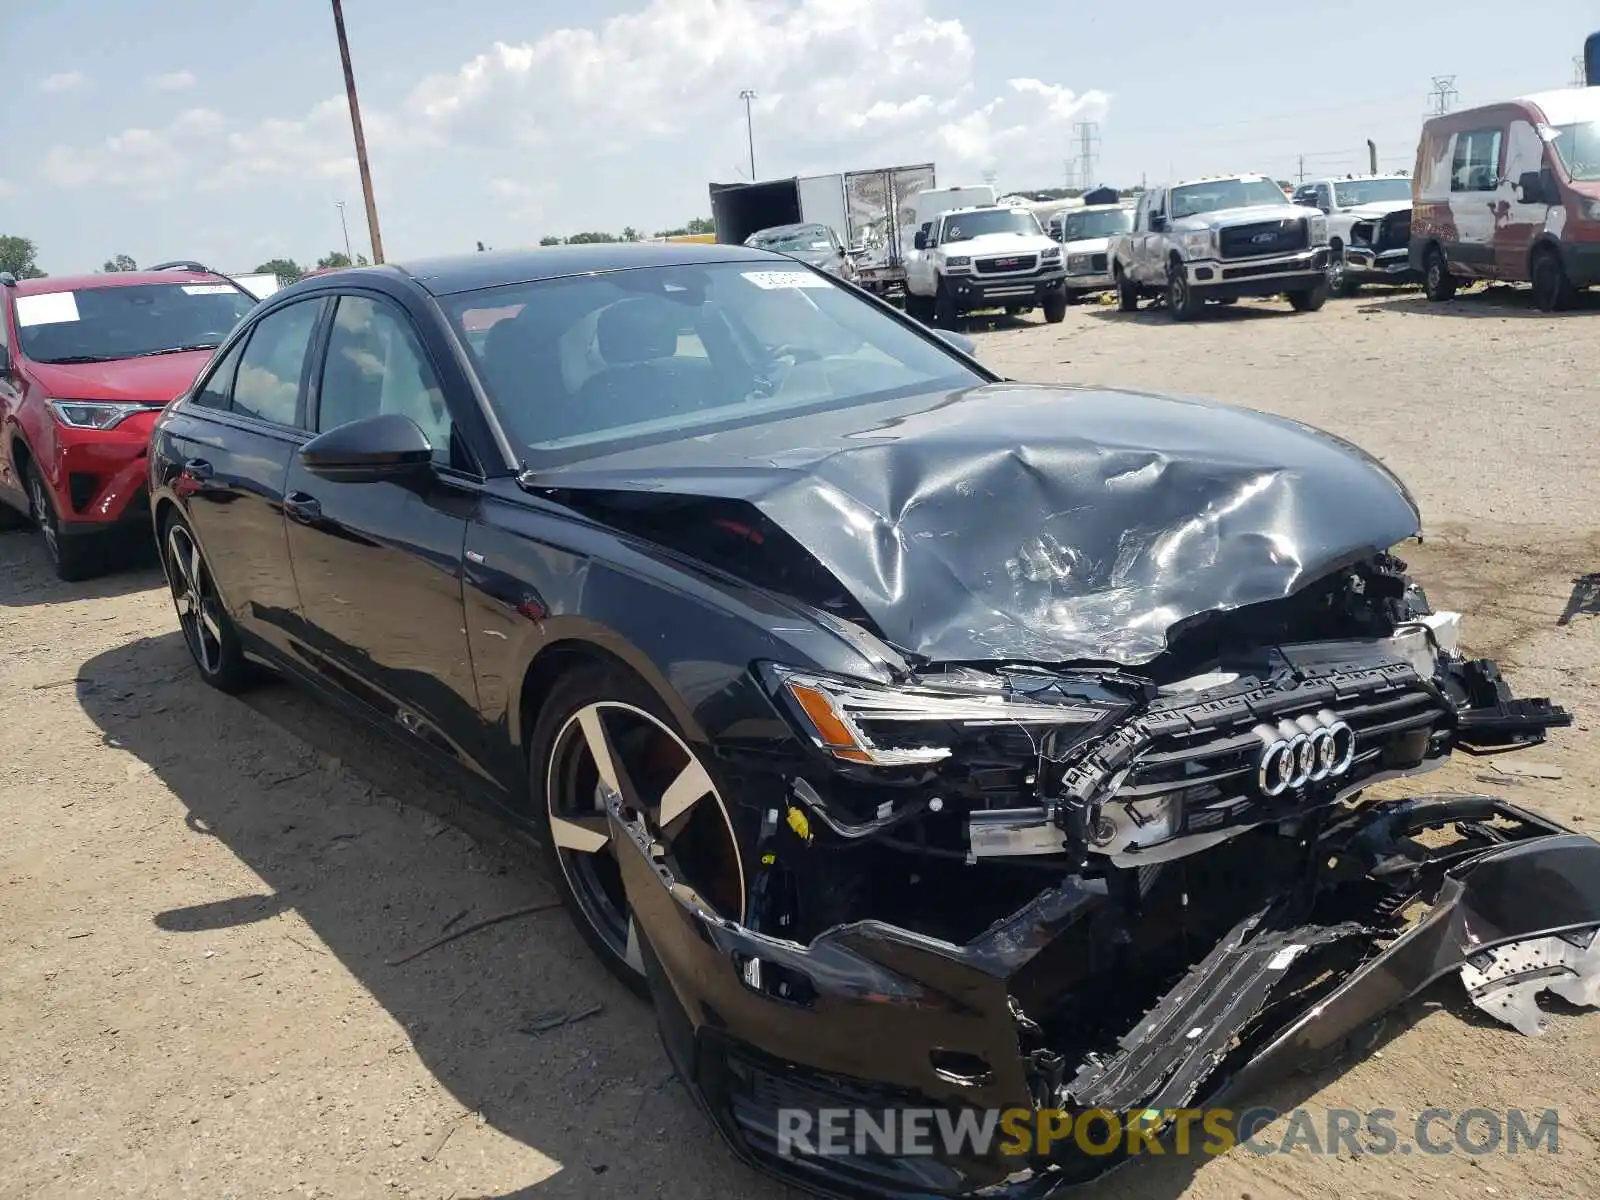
column 1443, row 96
column 1088, row 138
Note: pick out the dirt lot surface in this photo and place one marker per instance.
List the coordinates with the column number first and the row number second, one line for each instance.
column 200, row 896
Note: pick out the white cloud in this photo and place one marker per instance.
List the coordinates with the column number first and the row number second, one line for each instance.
column 65, row 81
column 626, row 121
column 173, row 81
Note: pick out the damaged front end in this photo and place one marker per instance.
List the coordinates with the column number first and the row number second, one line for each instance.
column 1016, row 886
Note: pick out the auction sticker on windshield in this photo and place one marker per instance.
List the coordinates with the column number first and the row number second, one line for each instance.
column 49, row 308
column 208, row 289
column 785, row 279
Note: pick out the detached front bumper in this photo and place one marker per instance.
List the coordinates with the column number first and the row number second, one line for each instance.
column 1217, row 279
column 872, row 1017
column 973, row 291
column 1363, row 264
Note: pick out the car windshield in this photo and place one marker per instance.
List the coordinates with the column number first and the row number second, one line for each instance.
column 960, row 227
column 1350, row 192
column 1216, row 194
column 794, row 240
column 1077, row 227
column 106, row 323
column 1579, row 148
column 667, row 352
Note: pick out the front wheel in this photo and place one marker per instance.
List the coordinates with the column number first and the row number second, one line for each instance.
column 945, row 312
column 208, row 630
column 1127, row 294
column 1182, row 301
column 919, row 308
column 1437, row 282
column 1309, row 299
column 75, row 557
column 1552, row 290
column 602, row 736
column 1055, row 307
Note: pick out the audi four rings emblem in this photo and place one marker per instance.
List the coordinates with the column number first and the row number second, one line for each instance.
column 1305, row 750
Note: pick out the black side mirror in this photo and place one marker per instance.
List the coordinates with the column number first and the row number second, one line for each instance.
column 1531, row 185
column 388, row 447
column 921, row 240
column 1158, row 222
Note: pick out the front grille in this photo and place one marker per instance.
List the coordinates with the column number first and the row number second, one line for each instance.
column 1262, row 237
column 1272, row 268
column 81, row 488
column 1009, row 264
column 1394, row 232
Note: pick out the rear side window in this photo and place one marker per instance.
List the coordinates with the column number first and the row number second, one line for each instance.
column 217, row 390
column 1476, row 163
column 268, row 382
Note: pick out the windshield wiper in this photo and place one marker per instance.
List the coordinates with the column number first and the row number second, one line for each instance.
column 73, row 359
column 176, row 349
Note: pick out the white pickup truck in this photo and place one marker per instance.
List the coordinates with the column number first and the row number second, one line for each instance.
column 1218, row 239
column 1369, row 229
column 986, row 257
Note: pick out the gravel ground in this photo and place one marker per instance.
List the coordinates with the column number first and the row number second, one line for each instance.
column 200, row 897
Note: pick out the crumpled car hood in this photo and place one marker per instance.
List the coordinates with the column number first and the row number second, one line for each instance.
column 1048, row 524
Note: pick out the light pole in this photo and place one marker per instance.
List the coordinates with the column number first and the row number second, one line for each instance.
column 361, row 141
column 346, row 229
column 749, row 130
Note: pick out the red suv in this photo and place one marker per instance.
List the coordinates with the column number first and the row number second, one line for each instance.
column 86, row 363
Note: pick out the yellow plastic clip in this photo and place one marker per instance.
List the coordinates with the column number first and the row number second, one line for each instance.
column 800, row 825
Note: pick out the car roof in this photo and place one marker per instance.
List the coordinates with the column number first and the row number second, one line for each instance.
column 497, row 268
column 1565, row 106
column 104, row 279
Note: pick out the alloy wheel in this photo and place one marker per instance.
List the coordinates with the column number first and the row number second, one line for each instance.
column 198, row 608
column 44, row 515
column 608, row 750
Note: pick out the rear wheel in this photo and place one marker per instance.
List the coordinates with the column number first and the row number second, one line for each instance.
column 1552, row 290
column 603, row 736
column 75, row 557
column 1437, row 282
column 1127, row 294
column 208, row 630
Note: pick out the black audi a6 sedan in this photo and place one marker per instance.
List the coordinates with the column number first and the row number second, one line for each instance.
column 915, row 739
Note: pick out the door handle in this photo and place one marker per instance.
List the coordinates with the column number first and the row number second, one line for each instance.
column 197, row 468
column 302, row 507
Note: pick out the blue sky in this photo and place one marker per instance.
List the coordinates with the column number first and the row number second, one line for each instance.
column 218, row 130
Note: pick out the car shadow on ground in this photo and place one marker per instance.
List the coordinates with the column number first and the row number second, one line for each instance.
column 381, row 855
column 131, row 566
column 1155, row 313
column 1494, row 300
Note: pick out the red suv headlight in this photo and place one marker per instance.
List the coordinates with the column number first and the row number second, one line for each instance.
column 95, row 414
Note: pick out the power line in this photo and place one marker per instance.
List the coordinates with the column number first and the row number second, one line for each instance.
column 1443, row 96
column 1088, row 138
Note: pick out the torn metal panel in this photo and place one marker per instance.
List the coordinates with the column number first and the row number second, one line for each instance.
column 1032, row 523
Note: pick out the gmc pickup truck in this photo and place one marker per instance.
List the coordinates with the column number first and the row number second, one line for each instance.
column 1218, row 239
column 990, row 257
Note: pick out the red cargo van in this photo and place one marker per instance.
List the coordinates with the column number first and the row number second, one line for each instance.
column 1511, row 192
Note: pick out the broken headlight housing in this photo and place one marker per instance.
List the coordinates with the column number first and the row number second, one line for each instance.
column 903, row 725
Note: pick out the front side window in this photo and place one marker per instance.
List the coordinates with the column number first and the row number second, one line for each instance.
column 1353, row 192
column 217, row 391
column 268, row 384
column 660, row 353
column 1477, row 161
column 965, row 226
column 376, row 365
column 103, row 324
column 1217, row 194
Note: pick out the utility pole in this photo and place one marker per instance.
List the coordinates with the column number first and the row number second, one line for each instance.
column 1088, row 137
column 346, row 229
column 1301, row 177
column 361, row 140
column 749, row 129
column 1372, row 156
column 1443, row 96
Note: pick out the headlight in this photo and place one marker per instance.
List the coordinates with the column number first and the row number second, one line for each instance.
column 1591, row 209
column 1196, row 245
column 895, row 726
column 1051, row 254
column 92, row 414
column 958, row 261
column 1319, row 231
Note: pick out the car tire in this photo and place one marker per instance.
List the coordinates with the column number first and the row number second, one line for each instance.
column 1438, row 284
column 208, row 630
column 945, row 312
column 607, row 703
column 1182, row 302
column 1055, row 307
column 1339, row 281
column 75, row 558
column 1127, row 293
column 1309, row 299
column 1552, row 290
